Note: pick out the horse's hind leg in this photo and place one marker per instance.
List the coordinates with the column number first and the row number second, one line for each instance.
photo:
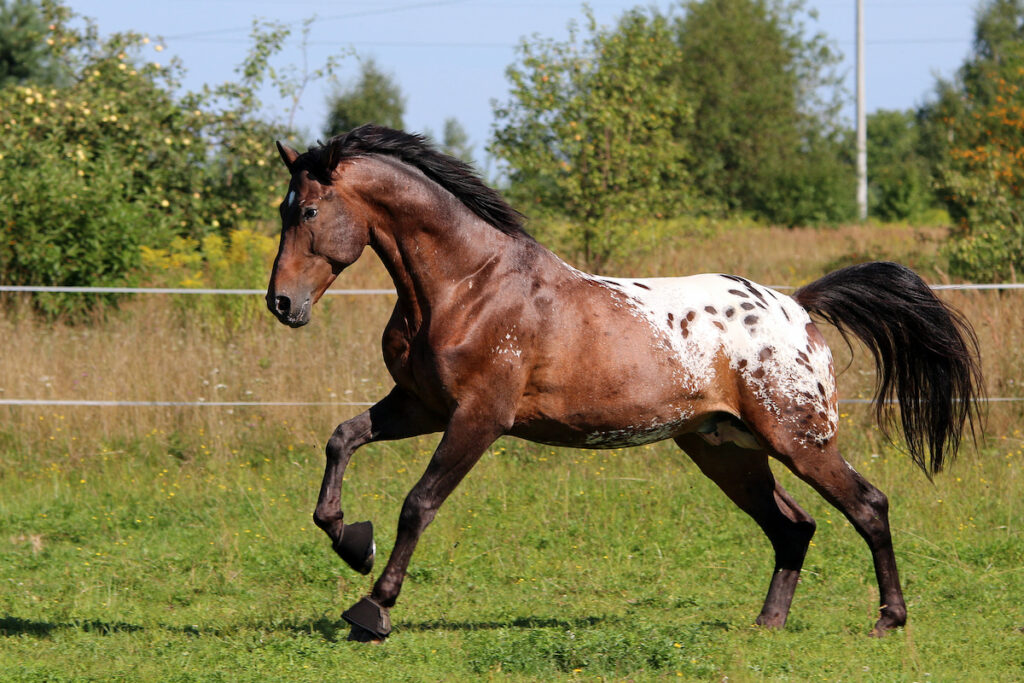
column 396, row 416
column 866, row 507
column 745, row 477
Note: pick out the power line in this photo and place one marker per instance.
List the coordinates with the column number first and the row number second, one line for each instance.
column 335, row 17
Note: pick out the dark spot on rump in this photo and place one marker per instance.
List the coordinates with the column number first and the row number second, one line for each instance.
column 739, row 293
column 612, row 283
column 747, row 306
column 803, row 356
column 691, row 315
column 686, row 331
column 814, row 338
column 730, row 312
column 671, row 319
column 761, row 305
column 710, row 309
column 750, row 320
column 756, row 292
column 821, row 390
column 765, row 354
column 742, row 364
column 785, row 314
column 718, row 325
column 758, row 374
column 642, row 285
column 734, row 278
column 822, row 415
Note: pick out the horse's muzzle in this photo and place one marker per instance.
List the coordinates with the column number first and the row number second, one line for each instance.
column 289, row 311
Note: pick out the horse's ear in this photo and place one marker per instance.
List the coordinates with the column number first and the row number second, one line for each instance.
column 332, row 158
column 288, row 155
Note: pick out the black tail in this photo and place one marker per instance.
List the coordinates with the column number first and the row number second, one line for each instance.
column 926, row 353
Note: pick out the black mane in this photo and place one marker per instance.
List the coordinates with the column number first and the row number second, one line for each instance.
column 452, row 174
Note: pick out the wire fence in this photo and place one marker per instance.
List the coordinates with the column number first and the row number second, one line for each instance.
column 55, row 289
column 338, row 292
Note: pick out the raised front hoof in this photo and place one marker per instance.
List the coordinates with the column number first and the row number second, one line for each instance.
column 356, row 546
column 370, row 622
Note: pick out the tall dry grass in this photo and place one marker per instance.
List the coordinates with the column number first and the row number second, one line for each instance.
column 158, row 348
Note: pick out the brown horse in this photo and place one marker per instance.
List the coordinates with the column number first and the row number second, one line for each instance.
column 494, row 335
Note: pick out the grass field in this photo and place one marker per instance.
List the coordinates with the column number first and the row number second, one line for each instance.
column 176, row 544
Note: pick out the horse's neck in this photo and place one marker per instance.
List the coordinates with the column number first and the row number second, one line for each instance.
column 433, row 255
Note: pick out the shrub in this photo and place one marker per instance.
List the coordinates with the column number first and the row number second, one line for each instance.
column 109, row 159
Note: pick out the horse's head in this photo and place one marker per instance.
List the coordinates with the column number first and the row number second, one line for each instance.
column 320, row 236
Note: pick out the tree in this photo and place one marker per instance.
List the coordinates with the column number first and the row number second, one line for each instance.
column 112, row 159
column 590, row 130
column 899, row 185
column 977, row 142
column 375, row 97
column 455, row 140
column 765, row 135
column 23, row 51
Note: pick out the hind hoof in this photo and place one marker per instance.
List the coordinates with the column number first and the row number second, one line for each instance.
column 356, row 546
column 370, row 622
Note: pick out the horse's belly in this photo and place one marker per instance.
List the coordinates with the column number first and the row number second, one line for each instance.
column 609, row 430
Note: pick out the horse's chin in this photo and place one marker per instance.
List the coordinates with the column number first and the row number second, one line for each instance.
column 294, row 319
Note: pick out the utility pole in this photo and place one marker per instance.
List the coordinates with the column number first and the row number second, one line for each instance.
column 862, row 128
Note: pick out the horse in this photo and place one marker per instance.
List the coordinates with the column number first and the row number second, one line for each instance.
column 492, row 334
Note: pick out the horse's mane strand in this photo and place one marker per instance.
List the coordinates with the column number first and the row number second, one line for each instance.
column 452, row 174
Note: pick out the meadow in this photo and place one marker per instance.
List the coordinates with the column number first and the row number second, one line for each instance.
column 176, row 543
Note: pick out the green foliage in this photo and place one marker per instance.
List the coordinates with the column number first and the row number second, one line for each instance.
column 898, row 182
column 455, row 141
column 241, row 261
column 374, row 98
column 764, row 140
column 733, row 107
column 111, row 160
column 979, row 174
column 23, row 52
column 589, row 131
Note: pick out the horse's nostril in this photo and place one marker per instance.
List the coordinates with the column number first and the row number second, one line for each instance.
column 283, row 304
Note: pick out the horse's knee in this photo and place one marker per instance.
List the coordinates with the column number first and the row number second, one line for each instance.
column 339, row 443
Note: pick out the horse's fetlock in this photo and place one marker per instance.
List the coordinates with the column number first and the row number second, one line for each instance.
column 327, row 520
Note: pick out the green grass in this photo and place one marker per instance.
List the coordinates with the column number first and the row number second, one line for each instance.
column 152, row 560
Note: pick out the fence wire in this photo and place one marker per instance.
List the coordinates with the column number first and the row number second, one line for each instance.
column 56, row 289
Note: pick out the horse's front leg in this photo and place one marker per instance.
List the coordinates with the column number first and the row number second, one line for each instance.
column 397, row 416
column 465, row 440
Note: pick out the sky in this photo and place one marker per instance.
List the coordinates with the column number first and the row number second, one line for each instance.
column 449, row 56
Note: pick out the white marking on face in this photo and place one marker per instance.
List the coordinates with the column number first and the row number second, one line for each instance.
column 289, row 201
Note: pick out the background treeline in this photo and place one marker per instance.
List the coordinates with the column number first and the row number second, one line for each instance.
column 716, row 109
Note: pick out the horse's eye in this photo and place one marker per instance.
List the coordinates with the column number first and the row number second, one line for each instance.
column 309, row 213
